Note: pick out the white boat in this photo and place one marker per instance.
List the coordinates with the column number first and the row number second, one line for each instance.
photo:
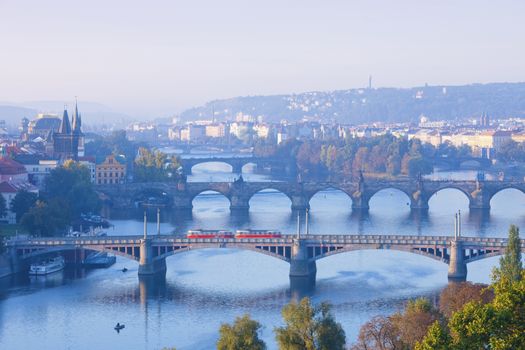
column 47, row 266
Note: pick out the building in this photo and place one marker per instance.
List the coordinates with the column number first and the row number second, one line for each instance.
column 216, row 130
column 8, row 190
column 12, row 171
column 68, row 141
column 41, row 126
column 111, row 171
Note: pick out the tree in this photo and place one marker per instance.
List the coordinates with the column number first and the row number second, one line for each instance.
column 155, row 166
column 414, row 322
column 22, row 202
column 309, row 327
column 44, row 219
column 510, row 263
column 71, row 185
column 378, row 334
column 3, row 206
column 437, row 338
column 242, row 335
column 456, row 295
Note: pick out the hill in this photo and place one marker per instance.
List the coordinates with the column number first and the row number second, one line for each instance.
column 381, row 104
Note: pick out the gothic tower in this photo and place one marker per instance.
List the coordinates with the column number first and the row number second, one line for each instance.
column 68, row 142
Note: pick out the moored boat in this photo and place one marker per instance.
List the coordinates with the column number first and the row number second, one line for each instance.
column 47, row 266
column 99, row 260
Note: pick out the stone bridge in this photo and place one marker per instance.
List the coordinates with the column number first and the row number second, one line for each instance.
column 301, row 252
column 237, row 163
column 179, row 196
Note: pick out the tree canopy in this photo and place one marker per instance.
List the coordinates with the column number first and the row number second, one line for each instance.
column 242, row 335
column 309, row 327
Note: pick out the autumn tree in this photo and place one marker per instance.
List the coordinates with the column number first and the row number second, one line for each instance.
column 378, row 334
column 456, row 295
column 242, row 335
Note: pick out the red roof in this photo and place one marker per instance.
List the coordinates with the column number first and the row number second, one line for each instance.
column 10, row 167
column 14, row 187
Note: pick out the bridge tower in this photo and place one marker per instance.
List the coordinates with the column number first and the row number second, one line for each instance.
column 457, row 267
column 148, row 264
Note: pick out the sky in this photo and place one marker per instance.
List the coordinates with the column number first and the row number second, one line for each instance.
column 155, row 58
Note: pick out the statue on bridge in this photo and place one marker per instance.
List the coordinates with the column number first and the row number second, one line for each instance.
column 239, row 180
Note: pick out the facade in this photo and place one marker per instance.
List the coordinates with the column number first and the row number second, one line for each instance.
column 111, row 171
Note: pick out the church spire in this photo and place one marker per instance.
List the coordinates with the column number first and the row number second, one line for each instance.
column 77, row 122
column 65, row 127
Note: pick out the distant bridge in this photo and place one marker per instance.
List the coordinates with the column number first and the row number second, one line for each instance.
column 238, row 162
column 301, row 253
column 179, row 196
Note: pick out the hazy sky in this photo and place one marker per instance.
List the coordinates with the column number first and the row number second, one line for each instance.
column 159, row 57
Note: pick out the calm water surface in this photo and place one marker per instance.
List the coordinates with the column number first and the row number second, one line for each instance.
column 78, row 309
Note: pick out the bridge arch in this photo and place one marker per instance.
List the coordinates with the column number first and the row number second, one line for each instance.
column 506, row 188
column 333, row 192
column 269, row 191
column 433, row 196
column 122, row 251
column 372, row 196
column 221, row 163
column 281, row 254
column 396, row 248
column 209, row 191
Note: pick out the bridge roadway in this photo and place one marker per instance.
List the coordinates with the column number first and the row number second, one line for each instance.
column 301, row 253
column 179, row 196
column 238, row 162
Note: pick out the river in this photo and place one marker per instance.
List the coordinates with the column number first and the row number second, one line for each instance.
column 77, row 309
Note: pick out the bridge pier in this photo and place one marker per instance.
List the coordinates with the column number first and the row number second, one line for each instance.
column 300, row 202
column 301, row 266
column 419, row 201
column 182, row 203
column 360, row 203
column 457, row 268
column 148, row 265
column 239, row 203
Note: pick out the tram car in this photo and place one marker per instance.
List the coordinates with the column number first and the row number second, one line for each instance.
column 240, row 234
column 209, row 234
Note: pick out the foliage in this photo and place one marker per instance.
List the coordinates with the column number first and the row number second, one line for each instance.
column 3, row 206
column 116, row 143
column 71, row 184
column 242, row 335
column 309, row 327
column 347, row 158
column 456, row 295
column 498, row 324
column 378, row 333
column 510, row 263
column 22, row 202
column 437, row 338
column 45, row 218
column 155, row 166
column 398, row 331
column 511, row 151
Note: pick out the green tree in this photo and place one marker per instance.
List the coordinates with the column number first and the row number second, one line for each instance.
column 22, row 202
column 242, row 335
column 44, row 219
column 71, row 184
column 309, row 327
column 510, row 263
column 3, row 206
column 155, row 166
column 437, row 338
